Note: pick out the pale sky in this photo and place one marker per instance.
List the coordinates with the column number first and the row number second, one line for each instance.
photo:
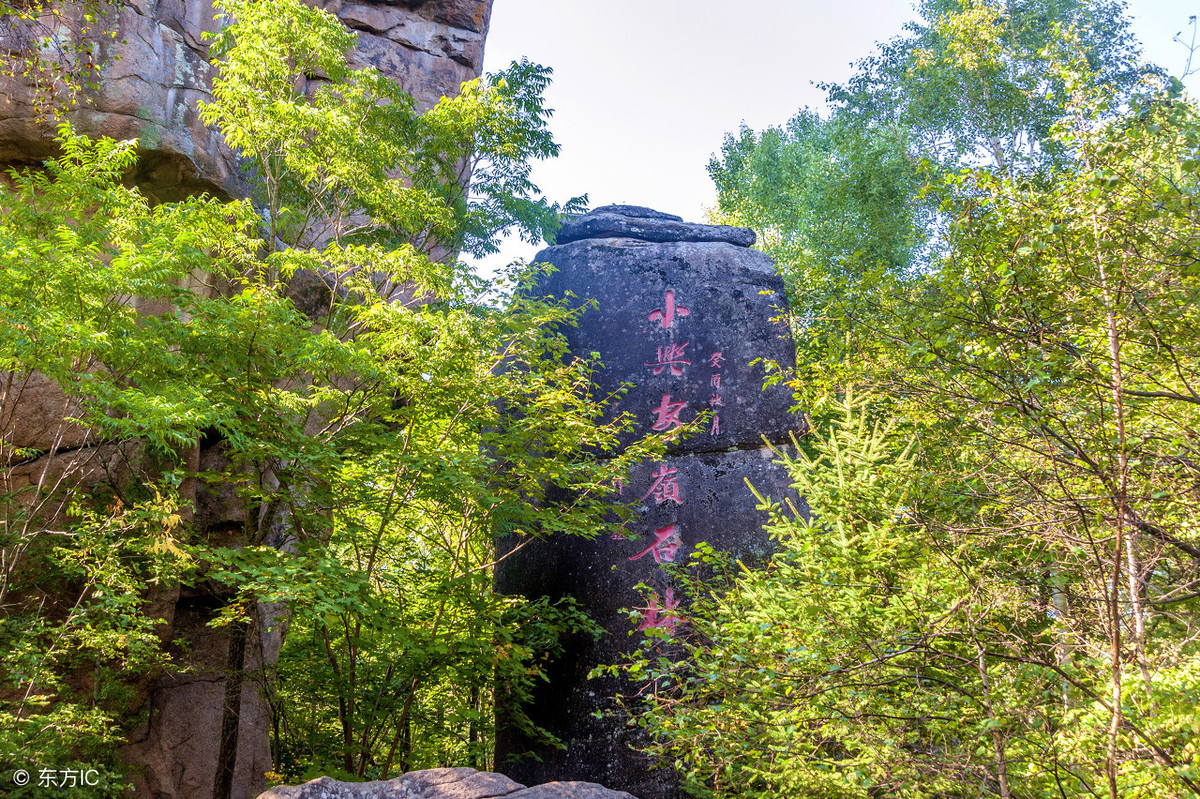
column 644, row 91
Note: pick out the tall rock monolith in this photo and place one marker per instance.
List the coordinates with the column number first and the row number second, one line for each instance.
column 687, row 316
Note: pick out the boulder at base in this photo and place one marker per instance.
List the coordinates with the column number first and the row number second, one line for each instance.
column 443, row 783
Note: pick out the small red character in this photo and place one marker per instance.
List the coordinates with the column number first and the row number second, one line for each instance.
column 666, row 545
column 671, row 356
column 715, row 359
column 666, row 315
column 716, row 425
column 669, row 619
column 668, row 414
column 666, row 486
column 715, row 381
column 715, row 400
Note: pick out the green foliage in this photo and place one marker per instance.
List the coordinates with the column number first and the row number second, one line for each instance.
column 837, row 207
column 1047, row 360
column 995, row 593
column 66, row 670
column 852, row 204
column 76, row 632
column 341, row 155
column 785, row 182
column 888, row 649
column 977, row 80
column 367, row 419
column 816, row 675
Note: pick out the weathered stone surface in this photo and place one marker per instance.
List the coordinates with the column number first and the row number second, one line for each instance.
column 688, row 324
column 176, row 752
column 177, row 759
column 633, row 211
column 685, row 322
column 442, row 783
column 645, row 224
column 714, row 506
column 569, row 789
column 154, row 77
column 155, row 73
column 48, row 480
column 34, row 412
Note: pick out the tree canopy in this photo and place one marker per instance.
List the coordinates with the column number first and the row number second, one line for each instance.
column 369, row 414
column 991, row 243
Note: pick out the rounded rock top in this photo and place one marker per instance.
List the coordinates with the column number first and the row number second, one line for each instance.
column 646, row 224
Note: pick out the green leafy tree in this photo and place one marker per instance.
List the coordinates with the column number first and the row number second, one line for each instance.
column 850, row 204
column 369, row 419
column 838, row 208
column 83, row 576
column 1053, row 372
column 995, row 592
column 969, row 81
column 814, row 676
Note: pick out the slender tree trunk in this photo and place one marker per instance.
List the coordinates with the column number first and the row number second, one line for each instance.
column 473, row 729
column 231, row 714
column 403, row 732
column 997, row 736
column 1137, row 606
column 1114, row 612
column 369, row 724
column 1064, row 644
column 345, row 706
column 1122, row 508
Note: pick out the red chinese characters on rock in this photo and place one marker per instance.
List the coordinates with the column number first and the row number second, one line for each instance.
column 661, row 618
column 665, row 315
column 666, row 485
column 666, row 544
column 668, row 414
column 715, row 360
column 670, row 357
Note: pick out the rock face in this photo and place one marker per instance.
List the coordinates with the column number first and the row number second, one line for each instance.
column 154, row 74
column 685, row 315
column 442, row 783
